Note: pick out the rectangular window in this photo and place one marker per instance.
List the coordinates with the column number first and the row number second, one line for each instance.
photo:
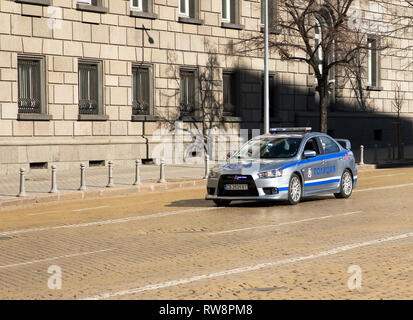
column 91, row 2
column 187, row 90
column 372, row 63
column 89, row 91
column 272, row 12
column 229, row 93
column 188, row 8
column 141, row 91
column 136, row 5
column 30, row 85
column 229, row 11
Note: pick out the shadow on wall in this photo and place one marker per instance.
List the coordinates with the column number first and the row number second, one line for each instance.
column 298, row 106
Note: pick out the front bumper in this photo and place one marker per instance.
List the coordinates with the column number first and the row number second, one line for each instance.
column 214, row 190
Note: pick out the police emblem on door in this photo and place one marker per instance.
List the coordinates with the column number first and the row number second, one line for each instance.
column 309, row 172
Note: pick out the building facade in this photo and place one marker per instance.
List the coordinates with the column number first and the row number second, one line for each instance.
column 96, row 80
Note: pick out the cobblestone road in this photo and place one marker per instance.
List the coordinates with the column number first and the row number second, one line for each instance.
column 175, row 245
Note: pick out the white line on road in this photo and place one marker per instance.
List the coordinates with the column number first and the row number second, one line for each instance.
column 54, row 258
column 39, row 213
column 103, row 222
column 386, row 175
column 386, row 187
column 85, row 209
column 247, row 268
column 284, row 223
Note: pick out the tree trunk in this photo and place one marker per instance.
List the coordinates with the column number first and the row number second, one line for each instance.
column 323, row 93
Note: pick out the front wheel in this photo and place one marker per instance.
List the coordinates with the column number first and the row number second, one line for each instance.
column 295, row 190
column 346, row 185
column 221, row 202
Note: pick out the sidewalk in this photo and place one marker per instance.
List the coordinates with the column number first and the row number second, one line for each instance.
column 38, row 183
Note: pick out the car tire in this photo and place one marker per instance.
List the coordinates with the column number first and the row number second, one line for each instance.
column 221, row 202
column 295, row 190
column 346, row 185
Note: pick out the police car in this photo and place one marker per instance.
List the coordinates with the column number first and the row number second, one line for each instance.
column 287, row 164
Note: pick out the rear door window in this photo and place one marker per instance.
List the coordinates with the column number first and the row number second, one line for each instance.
column 328, row 145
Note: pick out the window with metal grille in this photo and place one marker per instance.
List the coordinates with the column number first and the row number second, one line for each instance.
column 88, row 88
column 29, row 86
column 187, row 89
column 229, row 93
column 141, row 91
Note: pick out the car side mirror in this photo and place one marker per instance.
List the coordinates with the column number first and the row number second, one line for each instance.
column 229, row 154
column 309, row 154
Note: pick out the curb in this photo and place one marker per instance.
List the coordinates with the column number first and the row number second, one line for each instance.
column 109, row 192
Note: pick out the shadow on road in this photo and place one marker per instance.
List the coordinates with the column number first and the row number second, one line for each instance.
column 202, row 203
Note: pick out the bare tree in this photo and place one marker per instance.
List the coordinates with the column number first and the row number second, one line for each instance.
column 320, row 34
column 203, row 112
column 398, row 101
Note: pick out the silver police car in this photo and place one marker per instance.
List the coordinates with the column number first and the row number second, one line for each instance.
column 287, row 164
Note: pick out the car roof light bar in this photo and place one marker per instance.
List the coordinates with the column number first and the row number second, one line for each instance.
column 285, row 130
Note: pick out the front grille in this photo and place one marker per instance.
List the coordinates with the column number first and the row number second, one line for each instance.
column 237, row 179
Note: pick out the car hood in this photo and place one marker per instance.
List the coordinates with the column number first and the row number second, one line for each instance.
column 235, row 166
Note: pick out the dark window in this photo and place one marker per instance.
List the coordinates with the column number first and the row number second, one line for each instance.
column 229, row 92
column 187, row 89
column 328, row 145
column 88, row 88
column 378, row 135
column 29, row 86
column 311, row 145
column 141, row 91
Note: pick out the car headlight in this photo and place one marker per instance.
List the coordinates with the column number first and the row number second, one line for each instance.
column 212, row 174
column 271, row 174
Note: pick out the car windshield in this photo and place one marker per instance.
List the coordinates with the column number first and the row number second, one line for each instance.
column 269, row 148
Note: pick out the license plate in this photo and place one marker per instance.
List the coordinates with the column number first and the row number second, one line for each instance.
column 236, row 187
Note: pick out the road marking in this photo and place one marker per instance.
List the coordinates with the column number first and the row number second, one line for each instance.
column 85, row 209
column 54, row 258
column 39, row 213
column 247, row 268
column 112, row 221
column 284, row 223
column 387, row 175
column 387, row 187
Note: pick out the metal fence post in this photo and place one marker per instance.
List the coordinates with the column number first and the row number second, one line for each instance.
column 110, row 180
column 162, row 172
column 137, row 173
column 361, row 155
column 206, row 167
column 53, row 188
column 22, row 192
column 82, row 177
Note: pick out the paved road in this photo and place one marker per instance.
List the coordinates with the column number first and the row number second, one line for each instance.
column 175, row 245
